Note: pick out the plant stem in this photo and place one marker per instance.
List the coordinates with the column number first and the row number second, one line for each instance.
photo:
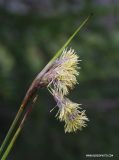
column 71, row 37
column 27, row 98
column 31, row 91
column 58, row 53
column 11, row 129
column 12, row 142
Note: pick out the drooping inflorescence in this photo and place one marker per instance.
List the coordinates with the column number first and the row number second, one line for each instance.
column 61, row 78
column 70, row 113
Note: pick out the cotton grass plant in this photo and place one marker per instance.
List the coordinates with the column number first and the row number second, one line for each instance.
column 60, row 77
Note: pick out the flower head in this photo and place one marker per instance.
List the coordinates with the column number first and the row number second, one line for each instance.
column 62, row 75
column 69, row 113
column 60, row 78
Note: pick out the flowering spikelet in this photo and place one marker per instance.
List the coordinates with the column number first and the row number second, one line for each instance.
column 60, row 78
column 76, row 122
column 70, row 114
column 62, row 74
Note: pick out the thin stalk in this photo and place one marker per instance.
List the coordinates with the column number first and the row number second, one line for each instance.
column 71, row 37
column 11, row 129
column 58, row 53
column 12, row 142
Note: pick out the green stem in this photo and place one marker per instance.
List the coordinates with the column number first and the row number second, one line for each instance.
column 58, row 53
column 12, row 142
column 11, row 129
column 70, row 38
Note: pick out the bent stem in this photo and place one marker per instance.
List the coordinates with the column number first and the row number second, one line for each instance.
column 10, row 146
column 35, row 86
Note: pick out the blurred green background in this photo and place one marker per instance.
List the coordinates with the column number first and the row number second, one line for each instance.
column 31, row 31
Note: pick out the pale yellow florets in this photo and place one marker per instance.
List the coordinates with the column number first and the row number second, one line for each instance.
column 60, row 78
column 77, row 123
column 70, row 114
column 62, row 75
column 67, row 71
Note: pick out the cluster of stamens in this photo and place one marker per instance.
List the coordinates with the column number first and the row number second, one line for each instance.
column 60, row 79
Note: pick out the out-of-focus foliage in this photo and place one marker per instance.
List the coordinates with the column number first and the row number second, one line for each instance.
column 30, row 33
